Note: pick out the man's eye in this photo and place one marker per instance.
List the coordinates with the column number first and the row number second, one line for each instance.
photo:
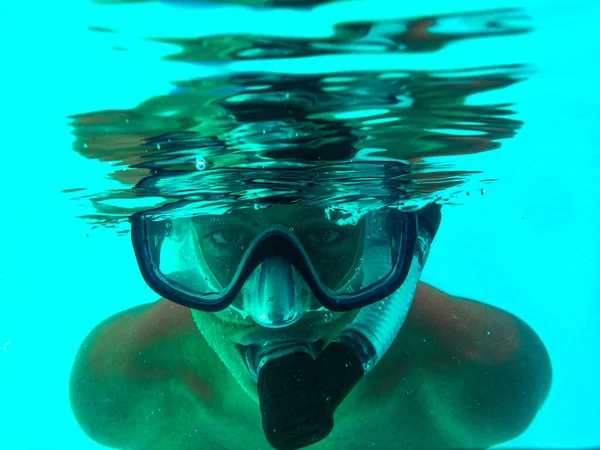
column 324, row 236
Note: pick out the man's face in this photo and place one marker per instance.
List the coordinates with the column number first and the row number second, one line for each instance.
column 334, row 252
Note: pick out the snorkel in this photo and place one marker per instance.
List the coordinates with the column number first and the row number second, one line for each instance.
column 299, row 394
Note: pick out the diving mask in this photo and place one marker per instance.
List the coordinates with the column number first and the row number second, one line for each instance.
column 275, row 264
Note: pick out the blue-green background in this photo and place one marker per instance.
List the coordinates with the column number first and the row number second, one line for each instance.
column 529, row 245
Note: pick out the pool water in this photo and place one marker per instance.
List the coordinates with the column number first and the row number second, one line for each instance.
column 490, row 112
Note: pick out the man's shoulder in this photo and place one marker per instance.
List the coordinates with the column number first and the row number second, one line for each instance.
column 137, row 377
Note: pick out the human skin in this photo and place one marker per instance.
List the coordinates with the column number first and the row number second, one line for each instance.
column 460, row 374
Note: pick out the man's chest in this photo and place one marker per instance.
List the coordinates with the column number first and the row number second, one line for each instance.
column 386, row 420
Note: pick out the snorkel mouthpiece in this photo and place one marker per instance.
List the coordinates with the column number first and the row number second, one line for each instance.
column 298, row 394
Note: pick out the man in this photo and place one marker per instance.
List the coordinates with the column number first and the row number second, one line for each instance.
column 224, row 365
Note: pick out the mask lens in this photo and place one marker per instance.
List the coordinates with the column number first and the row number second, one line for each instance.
column 202, row 256
column 176, row 260
column 370, row 263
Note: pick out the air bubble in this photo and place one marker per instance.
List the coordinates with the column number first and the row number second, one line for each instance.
column 200, row 163
column 342, row 217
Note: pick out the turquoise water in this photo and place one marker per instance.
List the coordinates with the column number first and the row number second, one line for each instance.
column 527, row 245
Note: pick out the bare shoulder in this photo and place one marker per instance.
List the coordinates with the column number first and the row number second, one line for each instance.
column 131, row 381
column 482, row 373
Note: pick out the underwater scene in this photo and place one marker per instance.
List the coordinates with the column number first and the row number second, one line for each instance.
column 284, row 224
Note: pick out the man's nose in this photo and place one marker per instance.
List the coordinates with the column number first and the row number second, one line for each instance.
column 278, row 302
